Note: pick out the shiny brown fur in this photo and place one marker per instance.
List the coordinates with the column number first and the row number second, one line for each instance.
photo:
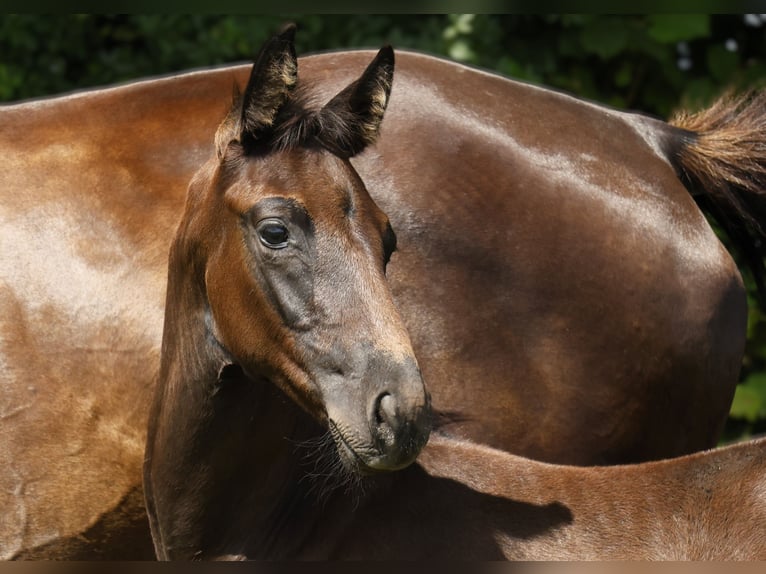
column 564, row 295
column 463, row 501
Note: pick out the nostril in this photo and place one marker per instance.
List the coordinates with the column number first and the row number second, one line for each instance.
column 385, row 419
column 399, row 427
column 386, row 411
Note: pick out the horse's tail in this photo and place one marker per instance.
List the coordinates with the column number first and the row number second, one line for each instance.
column 721, row 159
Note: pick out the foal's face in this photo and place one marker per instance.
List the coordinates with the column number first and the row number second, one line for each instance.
column 297, row 292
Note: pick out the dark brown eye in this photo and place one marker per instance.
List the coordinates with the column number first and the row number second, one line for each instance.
column 273, row 234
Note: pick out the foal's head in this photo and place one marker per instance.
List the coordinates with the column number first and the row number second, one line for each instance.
column 292, row 252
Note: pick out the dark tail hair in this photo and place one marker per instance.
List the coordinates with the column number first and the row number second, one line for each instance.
column 722, row 161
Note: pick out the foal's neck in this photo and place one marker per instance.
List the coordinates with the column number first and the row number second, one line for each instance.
column 275, row 487
column 233, row 466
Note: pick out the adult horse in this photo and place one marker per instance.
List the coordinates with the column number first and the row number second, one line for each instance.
column 285, row 366
column 565, row 297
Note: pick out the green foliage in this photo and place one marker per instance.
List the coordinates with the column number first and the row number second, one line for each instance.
column 605, row 37
column 654, row 63
column 750, row 399
column 673, row 28
column 747, row 415
column 623, row 60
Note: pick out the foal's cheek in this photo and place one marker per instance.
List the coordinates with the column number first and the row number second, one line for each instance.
column 289, row 288
column 296, row 295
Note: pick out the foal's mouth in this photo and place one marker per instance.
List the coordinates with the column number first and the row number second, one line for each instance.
column 351, row 450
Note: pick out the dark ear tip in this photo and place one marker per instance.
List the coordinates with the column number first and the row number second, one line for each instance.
column 287, row 32
column 386, row 53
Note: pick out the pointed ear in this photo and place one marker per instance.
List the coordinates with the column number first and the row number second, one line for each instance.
column 274, row 74
column 351, row 120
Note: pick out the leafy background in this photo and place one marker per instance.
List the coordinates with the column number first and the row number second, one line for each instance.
column 649, row 62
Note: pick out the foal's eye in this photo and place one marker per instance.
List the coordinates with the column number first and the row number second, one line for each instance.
column 273, row 234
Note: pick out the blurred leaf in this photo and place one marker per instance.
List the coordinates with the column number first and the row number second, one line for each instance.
column 699, row 92
column 673, row 28
column 750, row 398
column 624, row 74
column 757, row 381
column 604, row 37
column 721, row 62
column 462, row 24
column 754, row 74
column 747, row 404
column 461, row 50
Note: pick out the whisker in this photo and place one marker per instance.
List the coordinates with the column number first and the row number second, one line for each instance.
column 325, row 473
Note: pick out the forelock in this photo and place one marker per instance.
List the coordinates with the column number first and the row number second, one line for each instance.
column 298, row 123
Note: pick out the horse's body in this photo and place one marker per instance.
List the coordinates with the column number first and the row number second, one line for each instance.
column 565, row 296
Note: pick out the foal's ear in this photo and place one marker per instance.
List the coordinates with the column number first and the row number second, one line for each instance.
column 351, row 120
column 274, row 75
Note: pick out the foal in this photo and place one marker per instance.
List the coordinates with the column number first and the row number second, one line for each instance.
column 277, row 298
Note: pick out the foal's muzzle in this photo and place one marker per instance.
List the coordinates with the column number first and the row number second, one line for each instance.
column 396, row 423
